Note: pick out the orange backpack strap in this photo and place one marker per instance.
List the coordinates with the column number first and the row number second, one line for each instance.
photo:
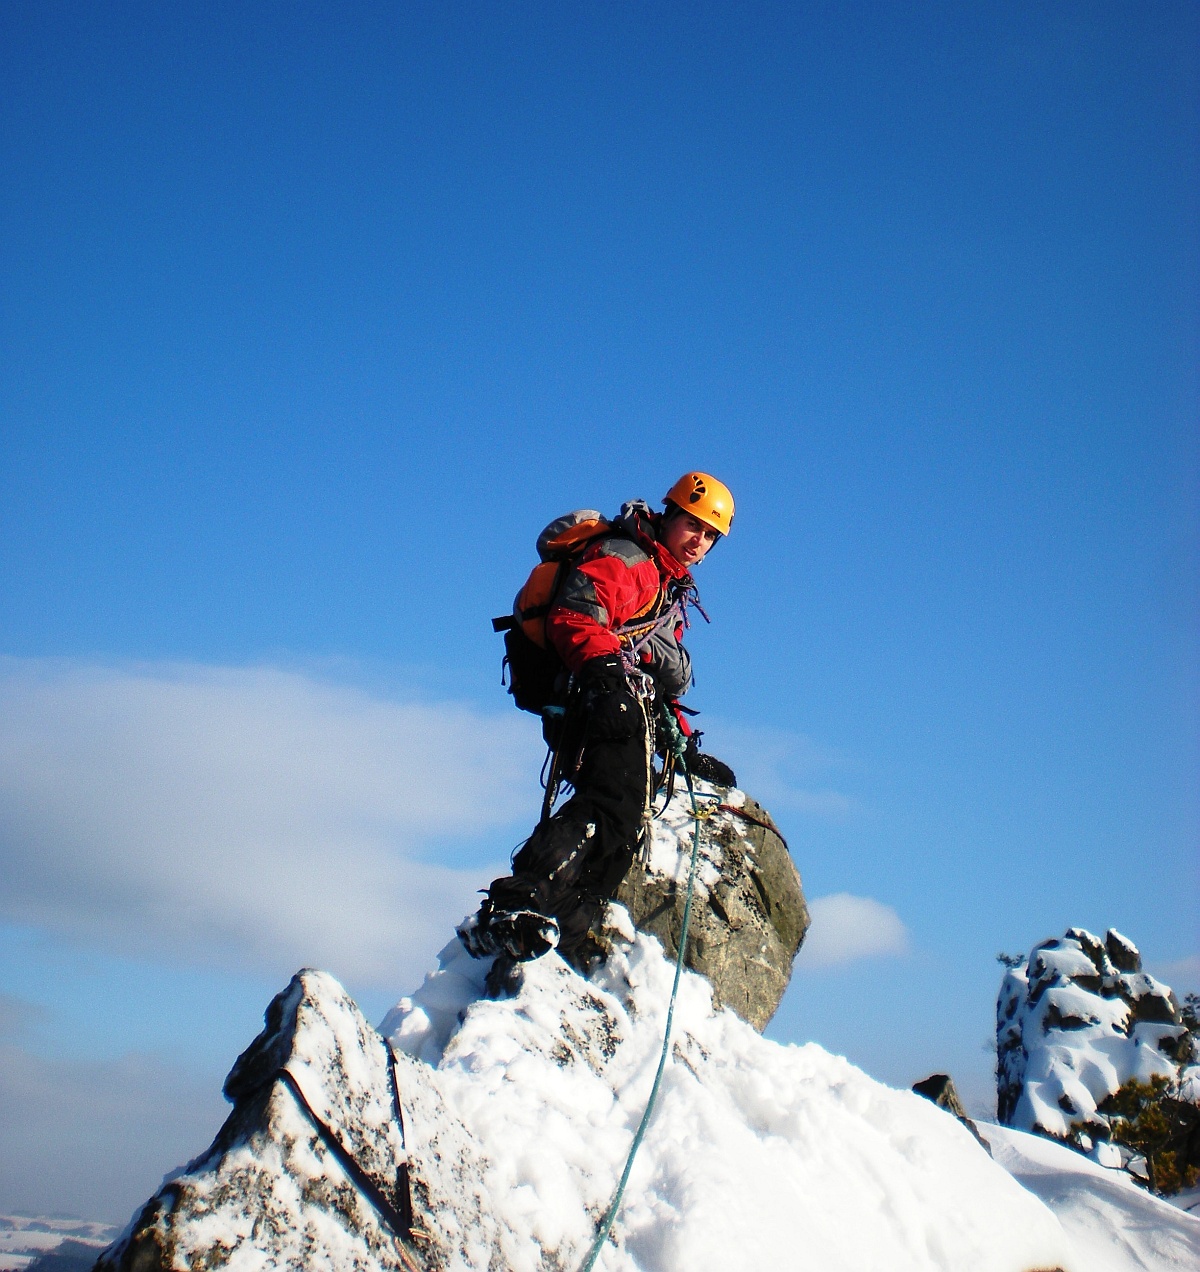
column 535, row 598
column 536, row 673
column 559, row 552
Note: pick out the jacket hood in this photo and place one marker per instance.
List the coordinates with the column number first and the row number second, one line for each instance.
column 641, row 523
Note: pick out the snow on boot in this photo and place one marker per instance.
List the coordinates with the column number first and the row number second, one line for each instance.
column 477, row 936
column 523, row 934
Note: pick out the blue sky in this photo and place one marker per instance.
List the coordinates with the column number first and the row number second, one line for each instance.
column 312, row 315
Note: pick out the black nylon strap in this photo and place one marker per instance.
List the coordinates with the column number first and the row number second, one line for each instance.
column 399, row 1219
column 403, row 1184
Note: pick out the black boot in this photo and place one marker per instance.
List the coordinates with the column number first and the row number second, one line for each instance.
column 523, row 934
column 520, row 934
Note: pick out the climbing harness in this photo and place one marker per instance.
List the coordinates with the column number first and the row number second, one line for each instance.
column 634, row 637
column 643, row 693
column 610, row 1214
column 536, row 676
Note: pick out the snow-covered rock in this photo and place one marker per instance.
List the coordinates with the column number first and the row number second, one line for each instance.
column 749, row 916
column 312, row 1169
column 518, row 1115
column 759, row 1155
column 940, row 1089
column 1074, row 1023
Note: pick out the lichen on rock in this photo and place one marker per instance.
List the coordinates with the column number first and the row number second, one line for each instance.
column 749, row 916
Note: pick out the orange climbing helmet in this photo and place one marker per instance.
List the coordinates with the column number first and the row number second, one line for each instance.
column 706, row 498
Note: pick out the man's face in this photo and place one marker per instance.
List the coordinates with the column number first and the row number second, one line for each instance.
column 687, row 539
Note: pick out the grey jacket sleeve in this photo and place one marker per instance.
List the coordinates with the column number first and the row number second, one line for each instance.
column 669, row 663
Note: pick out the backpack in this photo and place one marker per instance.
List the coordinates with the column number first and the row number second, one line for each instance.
column 537, row 678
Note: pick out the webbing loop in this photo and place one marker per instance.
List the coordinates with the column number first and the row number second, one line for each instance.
column 395, row 1213
column 614, row 1205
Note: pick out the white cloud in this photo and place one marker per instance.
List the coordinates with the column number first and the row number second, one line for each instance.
column 847, row 928
column 249, row 817
column 98, row 1135
column 784, row 770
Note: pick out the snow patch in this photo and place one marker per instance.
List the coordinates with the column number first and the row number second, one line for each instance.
column 759, row 1154
column 1113, row 1225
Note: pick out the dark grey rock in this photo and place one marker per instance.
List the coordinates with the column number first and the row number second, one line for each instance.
column 1125, row 956
column 1092, row 947
column 1055, row 1018
column 748, row 924
column 940, row 1088
column 70, row 1256
column 1156, row 1007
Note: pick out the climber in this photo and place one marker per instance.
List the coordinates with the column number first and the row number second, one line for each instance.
column 616, row 622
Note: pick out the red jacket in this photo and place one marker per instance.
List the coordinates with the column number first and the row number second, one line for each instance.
column 616, row 581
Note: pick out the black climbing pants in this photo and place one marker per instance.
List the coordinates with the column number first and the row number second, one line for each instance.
column 573, row 863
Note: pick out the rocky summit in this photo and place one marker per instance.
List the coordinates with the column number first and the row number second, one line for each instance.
column 313, row 1168
column 487, row 1128
column 1075, row 1021
column 514, row 1120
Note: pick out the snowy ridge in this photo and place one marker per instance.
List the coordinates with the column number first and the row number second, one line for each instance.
column 759, row 1155
column 517, row 1115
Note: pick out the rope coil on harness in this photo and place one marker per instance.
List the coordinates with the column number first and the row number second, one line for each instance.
column 611, row 1213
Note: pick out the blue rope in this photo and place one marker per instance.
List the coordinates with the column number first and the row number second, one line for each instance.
column 615, row 1204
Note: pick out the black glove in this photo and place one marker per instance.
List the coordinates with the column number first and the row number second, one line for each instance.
column 707, row 767
column 611, row 709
